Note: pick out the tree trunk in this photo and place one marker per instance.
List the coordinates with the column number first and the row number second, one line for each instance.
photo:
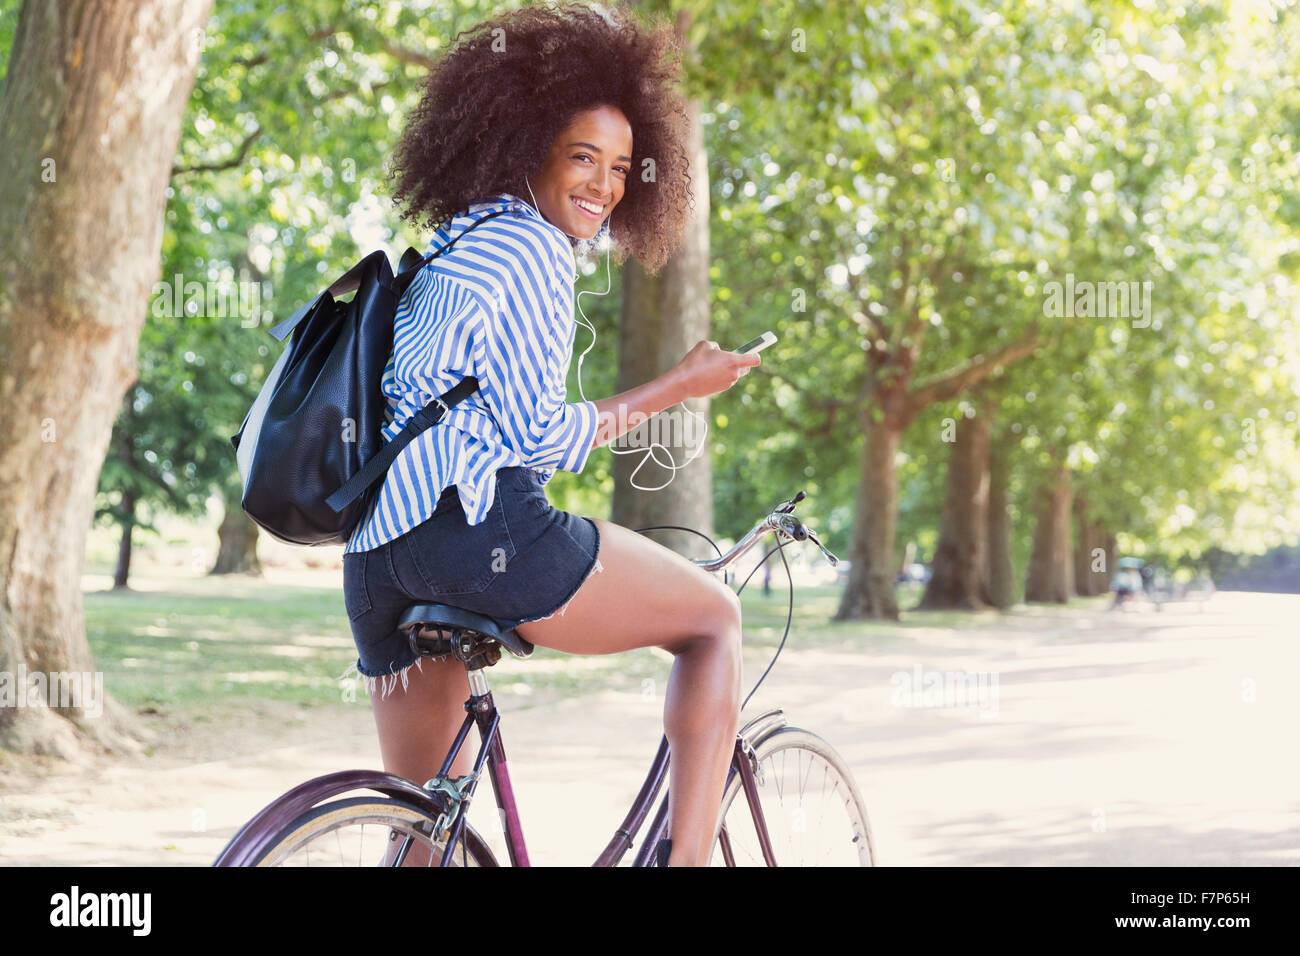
column 663, row 317
column 1000, row 574
column 1051, row 563
column 1081, row 582
column 869, row 592
column 129, row 499
column 960, row 563
column 237, row 537
column 1091, row 560
column 1102, row 545
column 90, row 116
column 123, row 569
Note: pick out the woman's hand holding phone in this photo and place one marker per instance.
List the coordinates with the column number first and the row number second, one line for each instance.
column 708, row 369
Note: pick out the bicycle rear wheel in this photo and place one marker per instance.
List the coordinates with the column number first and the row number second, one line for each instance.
column 360, row 831
column 811, row 807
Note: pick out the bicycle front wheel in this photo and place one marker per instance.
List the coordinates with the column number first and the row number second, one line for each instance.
column 361, row 831
column 810, row 804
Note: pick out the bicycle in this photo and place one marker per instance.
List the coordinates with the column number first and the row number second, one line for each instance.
column 325, row 812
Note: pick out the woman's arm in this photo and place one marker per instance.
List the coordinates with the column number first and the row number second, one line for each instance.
column 626, row 410
column 705, row 370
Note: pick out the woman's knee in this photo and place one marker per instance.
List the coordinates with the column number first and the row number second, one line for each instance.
column 727, row 618
column 721, row 636
column 717, row 625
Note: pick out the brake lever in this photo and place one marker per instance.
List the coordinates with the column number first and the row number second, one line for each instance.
column 799, row 531
column 829, row 557
column 788, row 506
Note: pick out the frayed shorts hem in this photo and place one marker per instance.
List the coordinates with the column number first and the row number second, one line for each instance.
column 564, row 605
column 387, row 681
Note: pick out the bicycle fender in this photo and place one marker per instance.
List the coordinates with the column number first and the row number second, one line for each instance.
column 249, row 841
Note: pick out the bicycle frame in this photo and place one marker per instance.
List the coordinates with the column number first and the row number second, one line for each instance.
column 483, row 713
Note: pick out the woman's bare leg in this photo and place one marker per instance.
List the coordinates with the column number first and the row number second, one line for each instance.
column 650, row 596
column 646, row 595
column 418, row 725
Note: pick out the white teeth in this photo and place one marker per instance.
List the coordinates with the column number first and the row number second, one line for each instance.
column 587, row 206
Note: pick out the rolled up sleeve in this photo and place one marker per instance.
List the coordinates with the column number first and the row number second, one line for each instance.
column 526, row 360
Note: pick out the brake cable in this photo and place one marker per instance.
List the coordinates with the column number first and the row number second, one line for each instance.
column 789, row 614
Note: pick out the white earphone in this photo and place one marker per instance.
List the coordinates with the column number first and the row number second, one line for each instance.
column 602, row 238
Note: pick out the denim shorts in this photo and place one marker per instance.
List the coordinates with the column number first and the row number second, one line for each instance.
column 523, row 562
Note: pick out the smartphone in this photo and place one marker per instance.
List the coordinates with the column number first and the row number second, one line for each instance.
column 758, row 344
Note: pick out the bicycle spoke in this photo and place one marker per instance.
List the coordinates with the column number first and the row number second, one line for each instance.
column 808, row 824
column 822, row 815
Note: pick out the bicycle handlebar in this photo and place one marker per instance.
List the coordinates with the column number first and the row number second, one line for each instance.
column 783, row 522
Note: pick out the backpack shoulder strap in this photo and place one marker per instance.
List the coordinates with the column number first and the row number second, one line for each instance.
column 377, row 466
column 409, row 268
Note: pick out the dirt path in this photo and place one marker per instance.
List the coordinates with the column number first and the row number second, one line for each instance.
column 1109, row 739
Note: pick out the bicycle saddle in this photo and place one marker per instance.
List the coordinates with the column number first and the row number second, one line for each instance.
column 417, row 617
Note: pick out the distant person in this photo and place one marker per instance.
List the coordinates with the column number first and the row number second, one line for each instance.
column 1127, row 582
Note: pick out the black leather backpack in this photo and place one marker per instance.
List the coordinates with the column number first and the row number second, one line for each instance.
column 310, row 449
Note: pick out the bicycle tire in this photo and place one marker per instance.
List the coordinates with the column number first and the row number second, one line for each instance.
column 319, row 822
column 854, row 846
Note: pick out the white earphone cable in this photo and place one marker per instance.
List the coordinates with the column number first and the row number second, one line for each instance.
column 603, row 239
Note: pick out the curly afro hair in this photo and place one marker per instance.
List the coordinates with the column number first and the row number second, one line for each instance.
column 495, row 102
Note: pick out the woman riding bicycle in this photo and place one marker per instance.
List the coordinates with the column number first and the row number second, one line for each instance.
column 558, row 116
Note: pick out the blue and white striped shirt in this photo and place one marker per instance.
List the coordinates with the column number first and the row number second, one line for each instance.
column 499, row 306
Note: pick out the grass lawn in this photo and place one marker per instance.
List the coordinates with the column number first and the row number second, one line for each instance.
column 193, row 647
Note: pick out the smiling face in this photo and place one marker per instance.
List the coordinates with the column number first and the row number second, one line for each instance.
column 588, row 165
